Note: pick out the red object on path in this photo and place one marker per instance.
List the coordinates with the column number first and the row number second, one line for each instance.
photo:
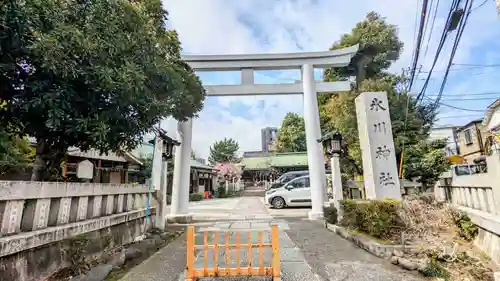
column 206, row 195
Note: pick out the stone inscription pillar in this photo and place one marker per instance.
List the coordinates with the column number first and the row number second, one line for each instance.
column 380, row 170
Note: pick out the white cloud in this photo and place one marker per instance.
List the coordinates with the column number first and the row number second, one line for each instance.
column 263, row 26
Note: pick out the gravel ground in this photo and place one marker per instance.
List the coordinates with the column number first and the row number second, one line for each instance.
column 164, row 265
column 336, row 259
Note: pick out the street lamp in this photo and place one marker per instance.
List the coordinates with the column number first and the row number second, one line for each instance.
column 167, row 152
column 168, row 145
column 333, row 144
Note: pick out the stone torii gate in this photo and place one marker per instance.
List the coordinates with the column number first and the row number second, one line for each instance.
column 247, row 64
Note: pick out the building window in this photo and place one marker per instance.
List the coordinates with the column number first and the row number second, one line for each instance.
column 468, row 137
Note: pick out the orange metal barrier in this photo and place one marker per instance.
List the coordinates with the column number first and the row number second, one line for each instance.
column 192, row 273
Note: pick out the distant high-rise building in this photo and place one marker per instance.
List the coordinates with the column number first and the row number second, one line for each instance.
column 269, row 137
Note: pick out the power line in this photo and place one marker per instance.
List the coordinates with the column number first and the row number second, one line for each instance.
column 460, row 31
column 444, row 35
column 455, row 107
column 458, row 99
column 459, row 116
column 479, row 6
column 427, row 18
column 414, row 33
column 487, row 94
column 477, row 65
column 495, row 94
column 432, row 28
column 467, row 67
column 419, row 42
column 468, row 74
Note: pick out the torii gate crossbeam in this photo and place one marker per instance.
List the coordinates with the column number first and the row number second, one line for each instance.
column 247, row 64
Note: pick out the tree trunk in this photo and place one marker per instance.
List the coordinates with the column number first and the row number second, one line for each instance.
column 38, row 165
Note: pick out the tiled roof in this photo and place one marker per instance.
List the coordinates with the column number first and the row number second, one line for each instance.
column 196, row 164
column 147, row 149
column 94, row 154
column 477, row 121
column 255, row 163
column 275, row 160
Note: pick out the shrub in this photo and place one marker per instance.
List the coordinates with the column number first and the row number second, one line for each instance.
column 221, row 192
column 330, row 214
column 378, row 218
column 434, row 268
column 466, row 229
column 196, row 197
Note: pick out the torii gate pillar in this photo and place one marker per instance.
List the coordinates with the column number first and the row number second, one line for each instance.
column 247, row 64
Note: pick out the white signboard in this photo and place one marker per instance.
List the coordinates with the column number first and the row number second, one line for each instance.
column 156, row 171
column 85, row 170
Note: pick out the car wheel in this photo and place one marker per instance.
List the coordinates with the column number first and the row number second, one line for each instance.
column 278, row 203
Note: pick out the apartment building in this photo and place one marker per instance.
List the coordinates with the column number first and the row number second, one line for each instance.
column 449, row 133
column 471, row 140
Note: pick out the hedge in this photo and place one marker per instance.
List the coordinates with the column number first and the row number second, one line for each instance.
column 196, row 197
column 378, row 218
column 330, row 213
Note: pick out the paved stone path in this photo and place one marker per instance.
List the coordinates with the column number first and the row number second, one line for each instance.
column 308, row 250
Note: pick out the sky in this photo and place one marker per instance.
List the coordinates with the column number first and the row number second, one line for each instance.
column 277, row 26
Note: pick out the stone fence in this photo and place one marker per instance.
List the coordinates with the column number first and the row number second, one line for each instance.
column 473, row 192
column 35, row 214
column 477, row 194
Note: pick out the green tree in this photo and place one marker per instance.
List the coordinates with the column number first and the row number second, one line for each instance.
column 292, row 134
column 426, row 162
column 94, row 74
column 193, row 155
column 376, row 36
column 224, row 151
column 411, row 121
column 146, row 168
column 15, row 152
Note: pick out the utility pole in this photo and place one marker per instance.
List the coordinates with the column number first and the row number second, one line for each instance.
column 406, row 72
column 498, row 7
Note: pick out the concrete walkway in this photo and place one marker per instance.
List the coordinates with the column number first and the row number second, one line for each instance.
column 308, row 250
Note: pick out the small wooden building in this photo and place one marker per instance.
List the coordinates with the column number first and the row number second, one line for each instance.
column 110, row 168
column 203, row 177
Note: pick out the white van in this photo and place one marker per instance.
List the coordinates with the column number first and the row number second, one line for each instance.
column 296, row 192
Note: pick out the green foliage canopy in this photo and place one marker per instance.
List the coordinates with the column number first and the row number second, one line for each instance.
column 340, row 113
column 15, row 152
column 224, row 151
column 94, row 74
column 426, row 162
column 292, row 134
column 411, row 121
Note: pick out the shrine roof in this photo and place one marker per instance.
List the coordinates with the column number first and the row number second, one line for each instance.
column 290, row 159
column 198, row 165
